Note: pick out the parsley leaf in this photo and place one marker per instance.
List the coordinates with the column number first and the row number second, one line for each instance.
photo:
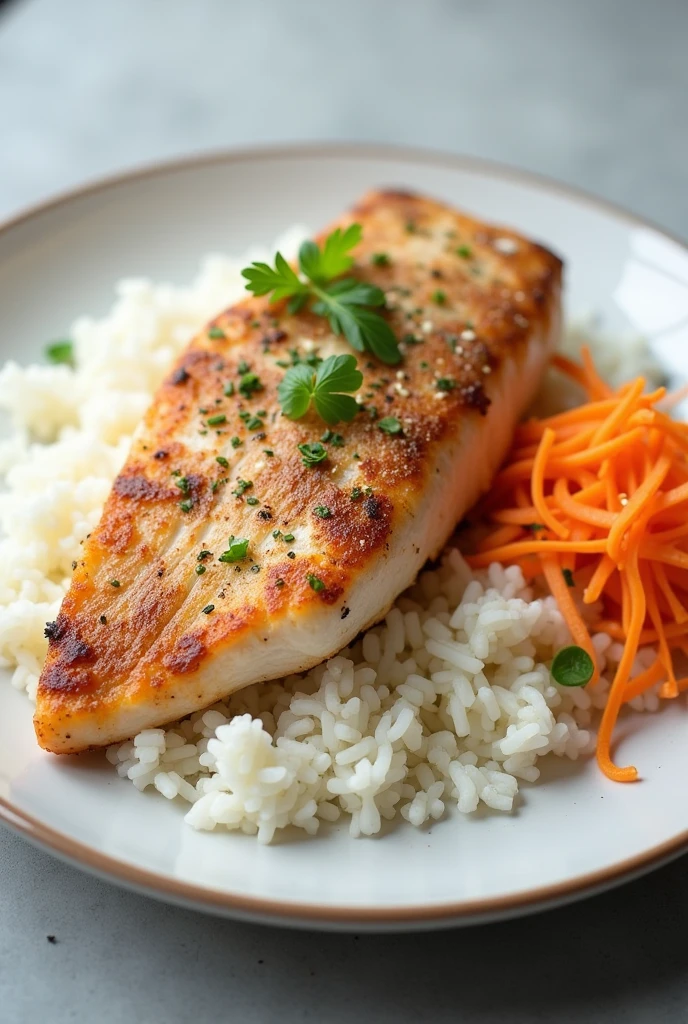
column 242, row 486
column 315, row 582
column 295, row 391
column 60, row 352
column 282, row 281
column 324, row 386
column 390, row 425
column 249, row 384
column 238, row 546
column 344, row 302
column 365, row 331
column 322, row 265
column 312, row 454
column 572, row 666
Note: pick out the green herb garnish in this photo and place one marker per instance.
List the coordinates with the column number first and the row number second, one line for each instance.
column 249, row 384
column 269, row 452
column 242, row 485
column 208, row 609
column 229, row 389
column 218, row 420
column 302, row 385
column 288, row 537
column 439, row 297
column 238, row 546
column 390, row 425
column 323, row 512
column 315, row 582
column 253, row 501
column 115, row 583
column 200, row 569
column 236, row 442
column 60, row 352
column 254, row 423
column 464, row 251
column 443, row 384
column 312, row 454
column 216, row 332
column 572, row 666
column 568, row 576
column 186, row 505
column 380, row 259
column 346, row 302
column 329, row 437
column 222, row 461
column 183, row 484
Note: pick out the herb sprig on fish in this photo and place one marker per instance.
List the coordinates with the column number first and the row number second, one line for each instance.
column 324, row 387
column 347, row 304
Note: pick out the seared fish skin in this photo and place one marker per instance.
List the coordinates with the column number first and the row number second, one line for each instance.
column 154, row 626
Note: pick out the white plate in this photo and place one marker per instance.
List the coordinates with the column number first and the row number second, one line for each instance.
column 575, row 831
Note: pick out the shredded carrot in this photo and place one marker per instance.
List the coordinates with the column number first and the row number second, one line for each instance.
column 601, row 490
column 562, row 592
column 537, row 485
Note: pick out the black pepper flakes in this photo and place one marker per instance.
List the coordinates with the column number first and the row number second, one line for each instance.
column 371, row 507
column 474, row 396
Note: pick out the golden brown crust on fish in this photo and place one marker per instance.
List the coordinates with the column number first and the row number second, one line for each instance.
column 153, row 627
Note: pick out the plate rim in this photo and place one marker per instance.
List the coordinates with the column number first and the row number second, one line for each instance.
column 286, row 912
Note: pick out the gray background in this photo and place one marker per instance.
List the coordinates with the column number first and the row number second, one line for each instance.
column 594, row 93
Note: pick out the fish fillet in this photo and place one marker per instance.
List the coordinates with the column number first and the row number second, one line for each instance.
column 154, row 626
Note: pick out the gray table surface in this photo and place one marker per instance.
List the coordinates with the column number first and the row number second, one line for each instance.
column 593, row 93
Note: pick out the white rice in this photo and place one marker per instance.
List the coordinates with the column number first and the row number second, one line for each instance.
column 451, row 700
